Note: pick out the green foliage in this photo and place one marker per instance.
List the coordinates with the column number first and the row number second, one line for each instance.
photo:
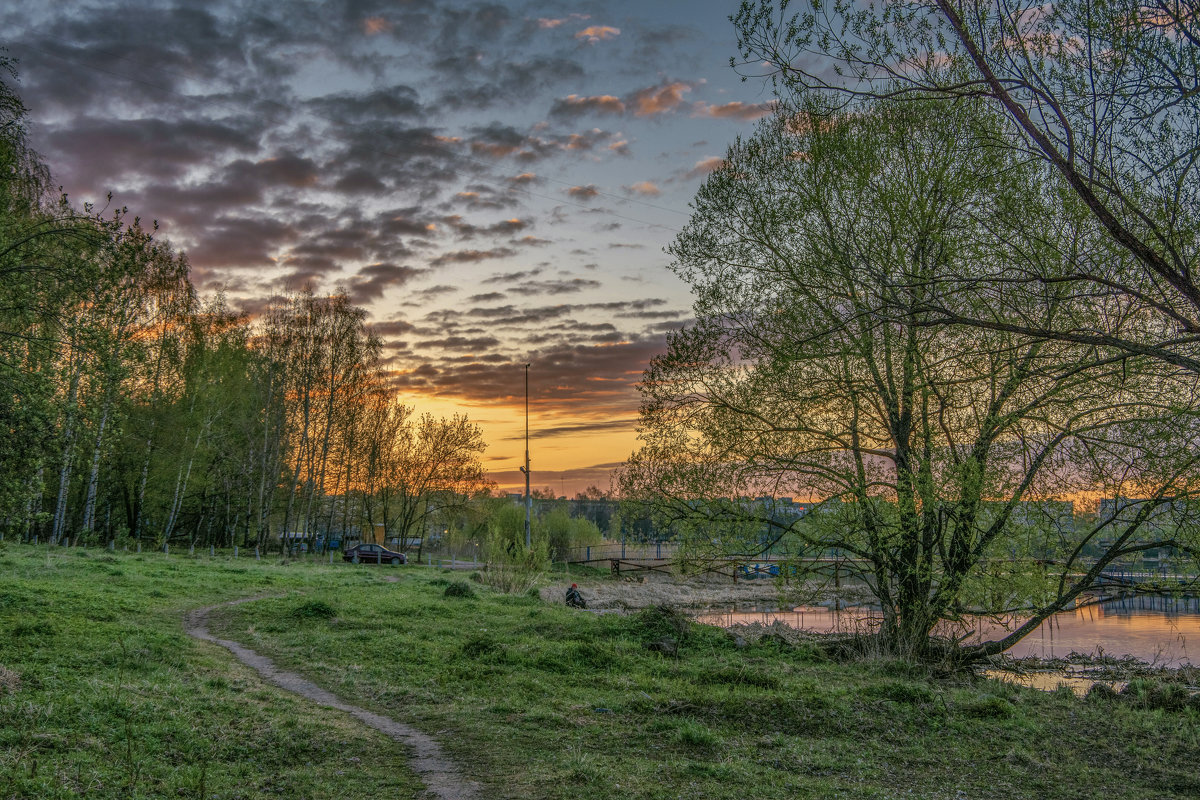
column 314, row 609
column 1157, row 694
column 510, row 567
column 477, row 646
column 458, row 589
column 663, row 622
column 563, row 532
column 940, row 461
column 130, row 412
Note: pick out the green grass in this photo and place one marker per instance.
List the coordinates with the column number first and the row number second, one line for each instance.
column 542, row 701
column 535, row 701
column 103, row 695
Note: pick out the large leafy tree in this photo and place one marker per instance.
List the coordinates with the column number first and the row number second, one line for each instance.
column 937, row 456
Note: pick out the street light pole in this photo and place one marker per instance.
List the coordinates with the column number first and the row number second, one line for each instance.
column 525, row 469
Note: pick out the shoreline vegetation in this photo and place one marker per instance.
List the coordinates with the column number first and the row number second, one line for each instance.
column 103, row 694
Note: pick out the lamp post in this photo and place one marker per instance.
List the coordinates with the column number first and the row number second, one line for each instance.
column 525, row 469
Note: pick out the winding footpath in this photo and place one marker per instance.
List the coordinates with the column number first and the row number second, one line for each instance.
column 441, row 777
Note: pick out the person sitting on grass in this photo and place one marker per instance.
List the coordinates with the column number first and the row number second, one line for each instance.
column 574, row 598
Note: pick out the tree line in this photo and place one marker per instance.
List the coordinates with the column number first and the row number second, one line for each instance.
column 134, row 410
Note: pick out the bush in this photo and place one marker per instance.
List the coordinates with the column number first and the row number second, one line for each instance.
column 662, row 622
column 563, row 532
column 510, row 567
column 478, row 647
column 459, row 589
column 314, row 609
column 1102, row 691
column 1154, row 694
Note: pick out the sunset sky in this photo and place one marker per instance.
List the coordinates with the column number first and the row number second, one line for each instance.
column 494, row 182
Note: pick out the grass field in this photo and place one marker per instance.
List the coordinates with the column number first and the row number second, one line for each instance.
column 102, row 695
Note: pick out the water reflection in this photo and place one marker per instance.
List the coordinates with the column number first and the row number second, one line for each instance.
column 1052, row 680
column 1149, row 628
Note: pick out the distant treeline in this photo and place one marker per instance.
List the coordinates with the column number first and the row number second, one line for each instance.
column 129, row 408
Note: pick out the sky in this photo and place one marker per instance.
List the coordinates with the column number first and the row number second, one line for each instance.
column 493, row 181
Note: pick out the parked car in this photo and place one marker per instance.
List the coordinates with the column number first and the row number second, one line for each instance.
column 373, row 554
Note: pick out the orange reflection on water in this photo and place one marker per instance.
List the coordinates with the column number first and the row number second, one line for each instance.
column 1153, row 629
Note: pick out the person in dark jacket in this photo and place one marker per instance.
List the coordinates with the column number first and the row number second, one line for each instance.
column 574, row 598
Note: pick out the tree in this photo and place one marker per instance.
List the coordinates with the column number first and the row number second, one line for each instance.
column 1105, row 92
column 329, row 362
column 120, row 391
column 41, row 275
column 929, row 451
column 428, row 467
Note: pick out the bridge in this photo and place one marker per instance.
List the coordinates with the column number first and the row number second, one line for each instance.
column 1145, row 579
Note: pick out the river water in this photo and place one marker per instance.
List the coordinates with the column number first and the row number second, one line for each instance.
column 1164, row 631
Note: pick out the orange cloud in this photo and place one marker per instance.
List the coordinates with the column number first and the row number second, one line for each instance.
column 595, row 33
column 658, row 99
column 583, row 192
column 603, row 103
column 705, row 166
column 376, row 25
column 645, row 188
column 734, row 110
column 549, row 22
column 496, row 149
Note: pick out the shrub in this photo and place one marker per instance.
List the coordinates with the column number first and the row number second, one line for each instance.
column 1102, row 691
column 314, row 609
column 511, row 568
column 459, row 589
column 662, row 622
column 1155, row 694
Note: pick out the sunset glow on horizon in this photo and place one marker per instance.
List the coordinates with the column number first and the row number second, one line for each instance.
column 493, row 183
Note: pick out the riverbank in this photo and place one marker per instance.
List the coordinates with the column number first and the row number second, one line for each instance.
column 102, row 693
column 649, row 588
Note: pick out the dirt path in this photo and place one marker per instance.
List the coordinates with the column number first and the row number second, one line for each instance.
column 441, row 777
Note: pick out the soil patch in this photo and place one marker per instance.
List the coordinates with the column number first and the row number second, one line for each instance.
column 441, row 777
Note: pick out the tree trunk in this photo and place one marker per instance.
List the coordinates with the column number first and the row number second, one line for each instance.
column 64, row 470
column 89, row 506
